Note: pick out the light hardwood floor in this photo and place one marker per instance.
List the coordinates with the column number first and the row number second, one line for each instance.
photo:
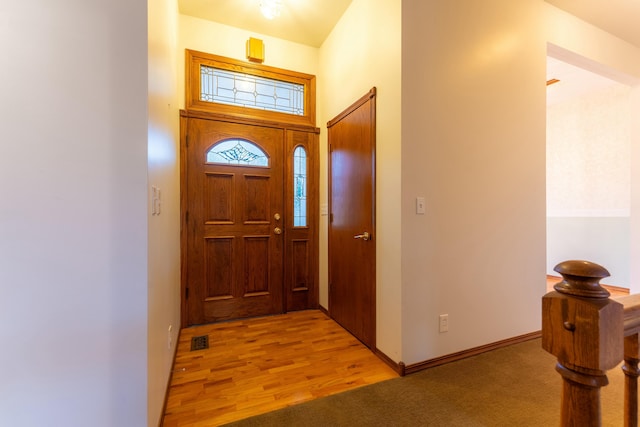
column 259, row 365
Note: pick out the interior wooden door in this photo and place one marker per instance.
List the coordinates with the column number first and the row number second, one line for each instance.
column 352, row 256
column 234, row 221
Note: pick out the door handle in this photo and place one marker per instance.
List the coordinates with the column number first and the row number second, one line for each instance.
column 277, row 230
column 363, row 236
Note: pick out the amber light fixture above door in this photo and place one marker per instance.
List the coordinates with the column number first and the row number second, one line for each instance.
column 255, row 50
column 270, row 8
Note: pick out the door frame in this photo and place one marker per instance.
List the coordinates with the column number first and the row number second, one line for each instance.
column 295, row 296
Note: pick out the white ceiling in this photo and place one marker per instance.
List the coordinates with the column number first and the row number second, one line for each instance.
column 573, row 81
column 618, row 17
column 302, row 21
column 309, row 22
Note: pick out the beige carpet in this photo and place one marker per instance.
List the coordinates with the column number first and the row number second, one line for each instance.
column 512, row 386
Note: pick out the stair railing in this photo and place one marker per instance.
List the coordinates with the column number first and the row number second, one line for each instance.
column 591, row 333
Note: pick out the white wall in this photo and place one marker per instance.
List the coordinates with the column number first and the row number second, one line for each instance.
column 584, row 45
column 363, row 51
column 73, row 213
column 211, row 37
column 164, row 228
column 634, row 235
column 588, row 154
column 600, row 239
column 473, row 144
column 588, row 181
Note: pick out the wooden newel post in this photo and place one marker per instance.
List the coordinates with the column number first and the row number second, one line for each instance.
column 584, row 329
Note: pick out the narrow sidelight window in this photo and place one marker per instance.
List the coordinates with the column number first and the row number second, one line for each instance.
column 300, row 187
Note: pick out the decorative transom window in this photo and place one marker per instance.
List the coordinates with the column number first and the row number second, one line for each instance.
column 300, row 187
column 233, row 88
column 237, row 152
column 244, row 89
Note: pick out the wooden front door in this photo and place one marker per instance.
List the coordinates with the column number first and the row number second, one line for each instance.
column 352, row 246
column 234, row 221
column 249, row 209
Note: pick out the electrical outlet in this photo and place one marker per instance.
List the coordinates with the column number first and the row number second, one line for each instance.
column 444, row 323
column 169, row 340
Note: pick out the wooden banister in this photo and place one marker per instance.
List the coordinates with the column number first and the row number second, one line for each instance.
column 631, row 304
column 631, row 373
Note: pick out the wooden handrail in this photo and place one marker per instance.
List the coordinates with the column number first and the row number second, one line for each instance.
column 631, row 304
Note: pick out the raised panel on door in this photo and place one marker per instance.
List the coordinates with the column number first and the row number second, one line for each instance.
column 301, row 260
column 256, row 278
column 256, row 191
column 219, row 277
column 219, row 198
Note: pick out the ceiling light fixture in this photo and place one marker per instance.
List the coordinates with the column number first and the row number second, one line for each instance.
column 270, row 8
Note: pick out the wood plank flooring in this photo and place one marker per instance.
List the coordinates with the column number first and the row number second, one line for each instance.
column 259, row 365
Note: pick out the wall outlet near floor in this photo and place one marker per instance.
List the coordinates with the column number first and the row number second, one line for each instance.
column 169, row 339
column 444, row 323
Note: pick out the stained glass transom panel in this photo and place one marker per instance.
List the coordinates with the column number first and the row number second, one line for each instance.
column 300, row 187
column 237, row 152
column 233, row 88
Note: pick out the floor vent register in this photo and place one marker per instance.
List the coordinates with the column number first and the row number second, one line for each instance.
column 200, row 343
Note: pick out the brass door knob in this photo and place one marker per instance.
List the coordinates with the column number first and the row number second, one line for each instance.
column 277, row 230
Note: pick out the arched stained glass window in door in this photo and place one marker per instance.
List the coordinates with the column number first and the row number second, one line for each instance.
column 299, row 187
column 237, row 152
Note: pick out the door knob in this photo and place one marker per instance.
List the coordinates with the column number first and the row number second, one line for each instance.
column 277, row 230
column 363, row 236
column 276, row 217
